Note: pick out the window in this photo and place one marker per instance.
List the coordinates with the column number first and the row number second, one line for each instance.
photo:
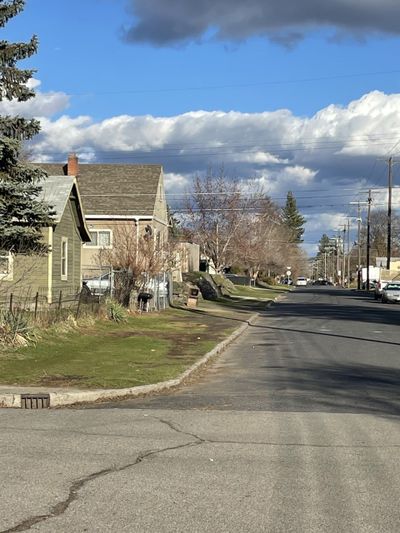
column 6, row 266
column 101, row 238
column 64, row 258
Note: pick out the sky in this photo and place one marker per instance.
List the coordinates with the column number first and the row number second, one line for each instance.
column 301, row 96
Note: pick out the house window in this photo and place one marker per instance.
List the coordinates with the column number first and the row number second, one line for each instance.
column 6, row 266
column 101, row 238
column 64, row 258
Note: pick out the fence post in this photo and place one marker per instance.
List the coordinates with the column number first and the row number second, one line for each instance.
column 36, row 304
column 11, row 303
column 60, row 301
column 79, row 305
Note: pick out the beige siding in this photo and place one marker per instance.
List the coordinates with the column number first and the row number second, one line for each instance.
column 29, row 275
column 91, row 257
column 160, row 206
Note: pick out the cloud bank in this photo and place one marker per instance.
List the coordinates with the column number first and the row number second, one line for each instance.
column 164, row 23
column 324, row 158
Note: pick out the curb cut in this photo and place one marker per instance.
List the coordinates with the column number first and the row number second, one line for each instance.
column 63, row 398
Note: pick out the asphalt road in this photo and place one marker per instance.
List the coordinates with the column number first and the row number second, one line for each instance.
column 294, row 429
column 322, row 349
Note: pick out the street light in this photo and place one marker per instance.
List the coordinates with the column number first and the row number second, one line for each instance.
column 359, row 220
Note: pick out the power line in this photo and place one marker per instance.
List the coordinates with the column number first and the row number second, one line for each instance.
column 235, row 85
column 155, row 153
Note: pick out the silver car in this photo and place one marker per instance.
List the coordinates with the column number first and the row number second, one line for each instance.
column 391, row 293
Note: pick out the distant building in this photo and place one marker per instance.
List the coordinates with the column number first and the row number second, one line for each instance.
column 382, row 262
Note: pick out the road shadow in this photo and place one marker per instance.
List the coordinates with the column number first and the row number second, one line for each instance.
column 367, row 312
column 361, row 388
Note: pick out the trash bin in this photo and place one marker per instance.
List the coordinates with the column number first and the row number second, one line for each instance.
column 193, row 297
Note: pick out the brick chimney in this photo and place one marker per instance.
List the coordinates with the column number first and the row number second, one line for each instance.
column 72, row 166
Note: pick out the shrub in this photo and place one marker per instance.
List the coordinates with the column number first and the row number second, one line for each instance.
column 15, row 329
column 116, row 311
column 269, row 280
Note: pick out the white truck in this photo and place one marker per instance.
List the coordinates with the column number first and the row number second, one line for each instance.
column 374, row 273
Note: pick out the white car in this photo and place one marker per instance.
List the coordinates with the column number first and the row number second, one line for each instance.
column 99, row 285
column 391, row 292
column 301, row 282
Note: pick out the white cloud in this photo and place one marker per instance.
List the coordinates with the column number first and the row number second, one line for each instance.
column 328, row 223
column 43, row 105
column 334, row 150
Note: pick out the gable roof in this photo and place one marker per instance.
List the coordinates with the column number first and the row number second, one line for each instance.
column 115, row 190
column 56, row 191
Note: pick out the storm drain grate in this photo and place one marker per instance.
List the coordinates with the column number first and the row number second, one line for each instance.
column 35, row 401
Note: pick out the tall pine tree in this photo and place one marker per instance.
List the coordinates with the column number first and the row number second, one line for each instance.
column 22, row 213
column 293, row 219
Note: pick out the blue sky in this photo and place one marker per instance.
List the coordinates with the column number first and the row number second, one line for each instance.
column 81, row 53
column 310, row 113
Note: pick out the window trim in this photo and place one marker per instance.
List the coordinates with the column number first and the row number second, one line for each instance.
column 64, row 275
column 9, row 275
column 97, row 246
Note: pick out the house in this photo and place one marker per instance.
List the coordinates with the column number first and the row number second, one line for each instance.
column 394, row 262
column 60, row 269
column 187, row 259
column 117, row 196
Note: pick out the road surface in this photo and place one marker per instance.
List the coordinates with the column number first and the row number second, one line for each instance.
column 294, row 429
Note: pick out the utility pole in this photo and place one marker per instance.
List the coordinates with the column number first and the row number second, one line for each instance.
column 359, row 220
column 348, row 252
column 338, row 258
column 368, row 235
column 344, row 256
column 359, row 246
column 391, row 161
column 389, row 230
column 325, row 265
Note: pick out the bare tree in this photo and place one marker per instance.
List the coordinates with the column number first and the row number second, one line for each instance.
column 378, row 232
column 136, row 258
column 218, row 216
column 236, row 223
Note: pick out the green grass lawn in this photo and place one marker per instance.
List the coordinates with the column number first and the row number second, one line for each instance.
column 255, row 292
column 146, row 349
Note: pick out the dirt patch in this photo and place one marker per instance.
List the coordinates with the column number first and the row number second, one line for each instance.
column 59, row 380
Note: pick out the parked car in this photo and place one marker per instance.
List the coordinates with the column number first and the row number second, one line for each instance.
column 391, row 292
column 301, row 282
column 372, row 284
column 99, row 285
column 379, row 286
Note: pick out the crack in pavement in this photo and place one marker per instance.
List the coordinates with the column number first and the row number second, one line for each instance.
column 172, row 426
column 59, row 508
column 202, row 440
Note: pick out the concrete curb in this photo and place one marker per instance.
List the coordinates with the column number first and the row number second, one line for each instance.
column 63, row 398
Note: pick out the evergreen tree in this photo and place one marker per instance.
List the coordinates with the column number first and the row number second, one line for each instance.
column 323, row 260
column 22, row 213
column 324, row 245
column 293, row 218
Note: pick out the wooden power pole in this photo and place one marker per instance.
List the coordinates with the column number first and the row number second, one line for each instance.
column 368, row 235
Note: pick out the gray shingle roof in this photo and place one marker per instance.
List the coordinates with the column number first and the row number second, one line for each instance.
column 56, row 191
column 119, row 190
